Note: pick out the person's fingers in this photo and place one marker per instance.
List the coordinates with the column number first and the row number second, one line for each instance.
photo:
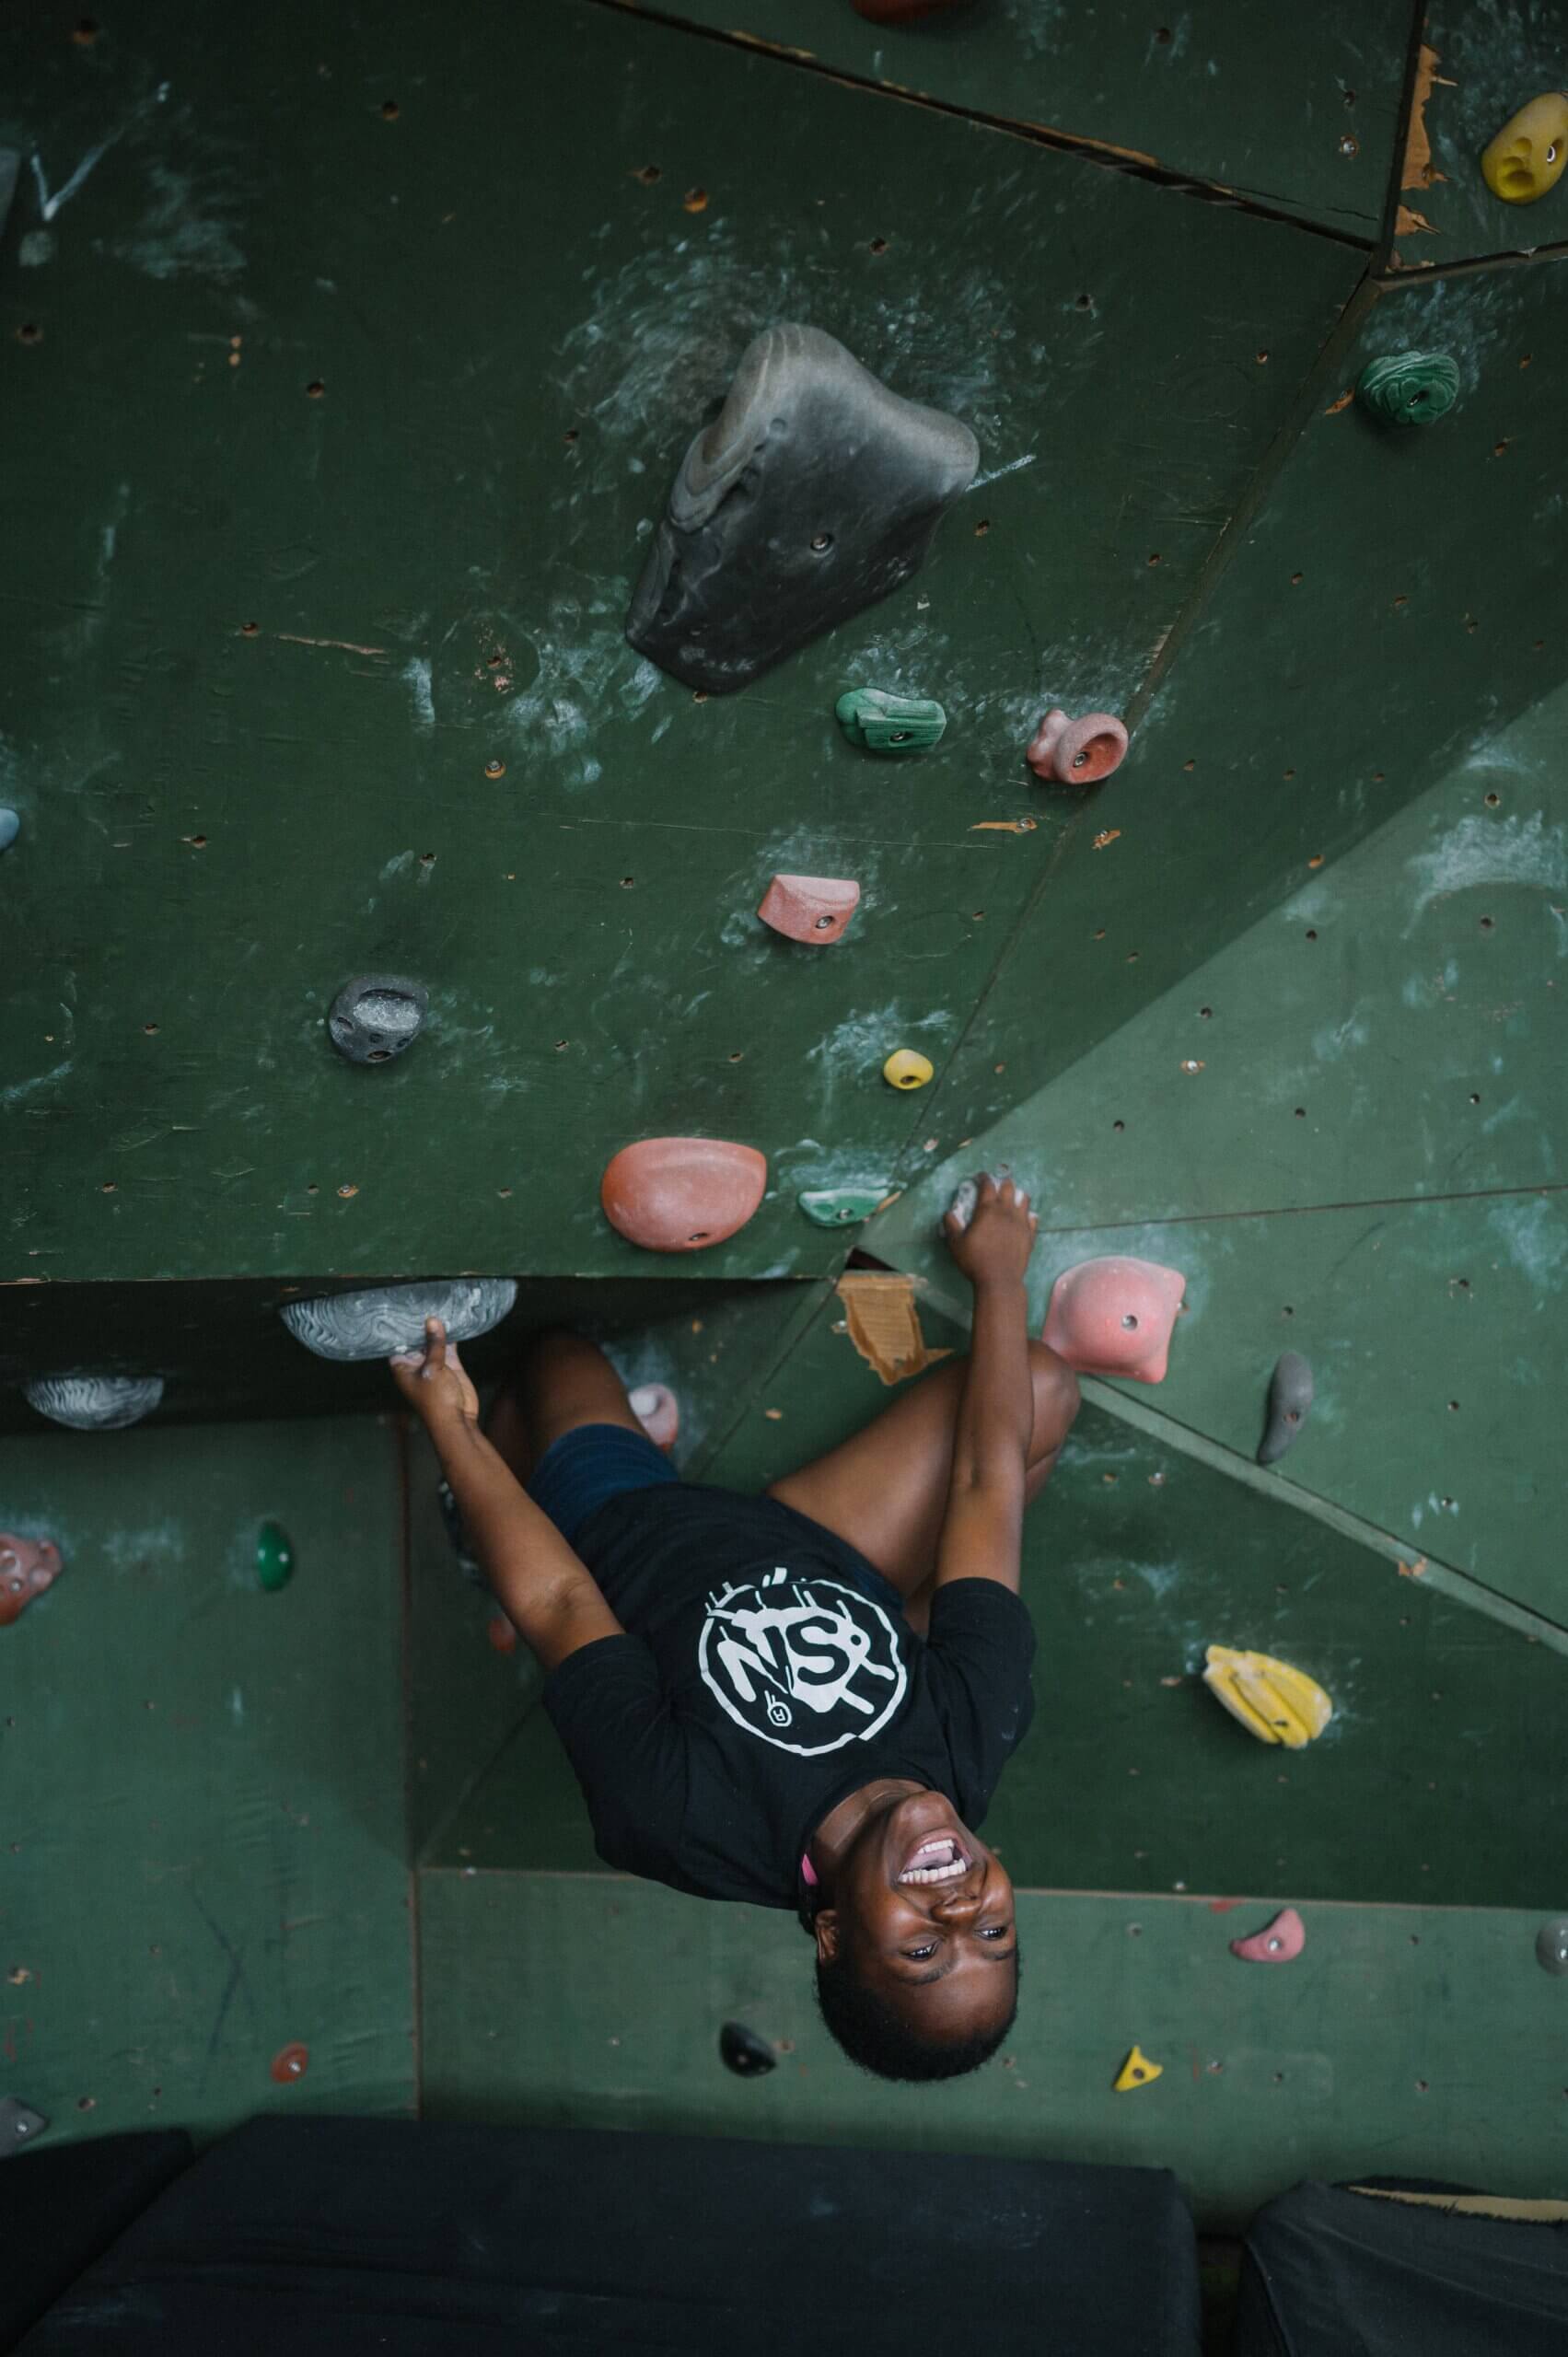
column 435, row 1347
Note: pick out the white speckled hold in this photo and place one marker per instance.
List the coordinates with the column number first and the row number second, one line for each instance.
column 387, row 1318
column 968, row 1195
column 657, row 1410
column 94, row 1403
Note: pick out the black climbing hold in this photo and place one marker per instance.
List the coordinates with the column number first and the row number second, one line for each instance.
column 376, row 1017
column 744, row 2052
column 1290, row 1396
column 813, row 493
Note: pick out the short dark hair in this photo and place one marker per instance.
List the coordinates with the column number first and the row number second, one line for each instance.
column 881, row 2041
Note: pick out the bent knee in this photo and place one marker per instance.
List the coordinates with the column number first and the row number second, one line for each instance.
column 1057, row 1398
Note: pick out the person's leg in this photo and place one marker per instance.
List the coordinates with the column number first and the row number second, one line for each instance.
column 563, row 1381
column 885, row 1490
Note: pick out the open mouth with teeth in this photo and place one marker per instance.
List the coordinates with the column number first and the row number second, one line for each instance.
column 939, row 1859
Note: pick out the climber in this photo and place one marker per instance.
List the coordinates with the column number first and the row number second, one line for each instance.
column 802, row 1700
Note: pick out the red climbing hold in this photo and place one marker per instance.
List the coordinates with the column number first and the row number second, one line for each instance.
column 1277, row 1943
column 681, row 1194
column 810, row 908
column 27, row 1567
column 1115, row 1316
column 1077, row 752
column 290, row 2062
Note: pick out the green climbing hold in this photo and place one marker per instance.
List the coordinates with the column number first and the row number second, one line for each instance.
column 274, row 1556
column 840, row 1206
column 1410, row 388
column 885, row 724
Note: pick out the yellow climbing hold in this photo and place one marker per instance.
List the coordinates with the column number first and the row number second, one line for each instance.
column 904, row 1069
column 1274, row 1701
column 1527, row 157
column 1136, row 2072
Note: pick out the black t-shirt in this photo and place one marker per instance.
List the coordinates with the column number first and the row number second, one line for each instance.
column 757, row 1684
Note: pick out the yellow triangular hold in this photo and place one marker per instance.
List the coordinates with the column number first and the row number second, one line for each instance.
column 1136, row 2072
column 1274, row 1701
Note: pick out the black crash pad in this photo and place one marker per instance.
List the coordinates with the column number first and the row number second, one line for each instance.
column 1326, row 2271
column 352, row 2237
column 61, row 2204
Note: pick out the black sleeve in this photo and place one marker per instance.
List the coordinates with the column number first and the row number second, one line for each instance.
column 978, row 1656
column 629, row 1753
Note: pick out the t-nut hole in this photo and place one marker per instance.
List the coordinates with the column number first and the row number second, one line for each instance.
column 822, row 924
column 699, row 1238
column 1130, row 1321
column 378, row 1055
column 821, row 542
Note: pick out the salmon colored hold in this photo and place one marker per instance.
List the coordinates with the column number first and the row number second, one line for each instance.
column 27, row 1566
column 1277, row 1943
column 1077, row 752
column 501, row 1633
column 816, row 909
column 1115, row 1316
column 290, row 2062
column 682, row 1194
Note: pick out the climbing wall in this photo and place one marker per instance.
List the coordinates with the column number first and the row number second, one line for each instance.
column 347, row 370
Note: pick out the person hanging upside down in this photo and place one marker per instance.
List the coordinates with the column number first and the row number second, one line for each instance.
column 803, row 1699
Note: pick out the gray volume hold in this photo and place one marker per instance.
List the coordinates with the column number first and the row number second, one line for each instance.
column 1552, row 1946
column 94, row 1403
column 386, row 1319
column 1290, row 1396
column 376, row 1017
column 10, row 828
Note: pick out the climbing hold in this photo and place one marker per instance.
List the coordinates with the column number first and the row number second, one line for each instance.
column 810, row 908
column 1136, row 2072
column 10, row 828
column 744, row 2052
column 387, row 1318
column 907, row 1069
column 1290, row 1396
column 1409, row 388
column 1077, row 752
column 1552, row 1946
column 27, row 1566
column 1274, row 1701
column 1277, row 1943
column 94, row 1403
column 812, row 494
column 842, row 1206
column 681, row 1194
column 1525, row 158
column 274, row 1556
column 376, row 1017
column 290, row 2062
column 503, row 1637
column 966, row 1195
column 19, row 2121
column 657, row 1410
column 888, row 724
column 1115, row 1315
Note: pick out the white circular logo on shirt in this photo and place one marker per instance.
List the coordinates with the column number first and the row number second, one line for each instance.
column 806, row 1664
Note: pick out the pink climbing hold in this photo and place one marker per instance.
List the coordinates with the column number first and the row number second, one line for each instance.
column 27, row 1567
column 681, row 1194
column 657, row 1410
column 1277, row 1943
column 1115, row 1316
column 816, row 909
column 1077, row 752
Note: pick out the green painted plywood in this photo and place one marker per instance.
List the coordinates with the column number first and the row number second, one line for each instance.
column 203, row 1838
column 1480, row 66
column 1412, row 2041
column 220, row 828
column 1300, row 117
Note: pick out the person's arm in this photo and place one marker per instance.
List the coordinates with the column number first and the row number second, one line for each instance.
column 551, row 1598
column 982, row 1529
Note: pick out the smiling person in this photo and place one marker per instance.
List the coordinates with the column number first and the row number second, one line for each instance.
column 803, row 1699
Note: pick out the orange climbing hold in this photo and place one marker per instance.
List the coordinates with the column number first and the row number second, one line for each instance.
column 1277, row 1943
column 816, row 909
column 682, row 1194
column 27, row 1566
column 1115, row 1316
column 1077, row 752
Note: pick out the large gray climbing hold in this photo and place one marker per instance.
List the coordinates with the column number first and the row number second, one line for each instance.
column 813, row 493
column 94, row 1403
column 10, row 828
column 1552, row 1946
column 376, row 1017
column 1290, row 1396
column 387, row 1318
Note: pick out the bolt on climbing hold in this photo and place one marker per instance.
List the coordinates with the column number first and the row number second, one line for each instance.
column 1115, row 1315
column 842, row 1206
column 1552, row 1946
column 1136, row 2072
column 1409, row 388
column 376, row 1017
column 1278, row 1942
column 815, row 908
column 94, row 1403
column 1076, row 752
column 907, row 1069
column 1290, row 1396
column 1274, row 1701
column 744, row 2052
column 10, row 828
column 385, row 1319
column 890, row 724
column 681, row 1194
column 966, row 1195
column 27, row 1566
column 657, row 1410
column 274, row 1556
column 290, row 2062
column 1526, row 159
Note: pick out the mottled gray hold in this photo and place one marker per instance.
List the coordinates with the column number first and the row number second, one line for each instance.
column 812, row 494
column 95, row 1403
column 10, row 828
column 1552, row 1946
column 968, row 1195
column 387, row 1318
column 1290, row 1396
column 376, row 1017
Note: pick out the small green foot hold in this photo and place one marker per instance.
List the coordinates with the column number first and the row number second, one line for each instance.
column 1409, row 388
column 884, row 724
column 840, row 1206
column 274, row 1556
